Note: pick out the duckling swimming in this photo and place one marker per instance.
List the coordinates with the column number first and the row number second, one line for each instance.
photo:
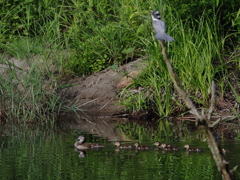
column 158, row 145
column 165, row 147
column 80, row 144
column 137, row 145
column 224, row 151
column 118, row 144
column 192, row 149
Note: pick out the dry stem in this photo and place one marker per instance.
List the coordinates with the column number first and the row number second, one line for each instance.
column 201, row 119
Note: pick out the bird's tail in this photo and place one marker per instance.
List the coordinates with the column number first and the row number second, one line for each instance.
column 163, row 37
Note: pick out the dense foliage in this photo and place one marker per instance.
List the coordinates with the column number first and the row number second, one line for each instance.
column 105, row 32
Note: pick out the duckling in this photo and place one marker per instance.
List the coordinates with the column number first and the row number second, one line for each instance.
column 137, row 145
column 118, row 144
column 166, row 147
column 224, row 151
column 80, row 144
column 192, row 149
column 158, row 145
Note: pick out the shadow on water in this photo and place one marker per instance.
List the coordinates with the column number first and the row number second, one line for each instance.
column 46, row 153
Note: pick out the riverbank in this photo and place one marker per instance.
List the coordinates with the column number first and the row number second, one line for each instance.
column 97, row 96
column 54, row 61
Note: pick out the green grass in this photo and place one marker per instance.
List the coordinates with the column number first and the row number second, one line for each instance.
column 29, row 84
column 196, row 56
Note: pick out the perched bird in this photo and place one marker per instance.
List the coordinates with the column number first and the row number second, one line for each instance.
column 159, row 27
column 80, row 144
column 137, row 145
column 192, row 149
column 118, row 144
column 158, row 145
column 166, row 147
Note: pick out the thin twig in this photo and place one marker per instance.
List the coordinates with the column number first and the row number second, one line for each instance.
column 87, row 102
column 106, row 104
column 212, row 106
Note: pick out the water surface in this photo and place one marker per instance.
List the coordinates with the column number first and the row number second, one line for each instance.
column 50, row 155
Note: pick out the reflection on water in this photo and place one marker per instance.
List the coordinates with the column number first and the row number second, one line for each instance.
column 103, row 127
column 49, row 154
column 81, row 154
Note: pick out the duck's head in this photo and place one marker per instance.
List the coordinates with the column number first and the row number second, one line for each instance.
column 81, row 139
column 156, row 143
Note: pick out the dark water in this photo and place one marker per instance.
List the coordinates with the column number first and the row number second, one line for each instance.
column 50, row 155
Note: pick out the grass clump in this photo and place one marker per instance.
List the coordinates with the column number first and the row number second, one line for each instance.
column 29, row 82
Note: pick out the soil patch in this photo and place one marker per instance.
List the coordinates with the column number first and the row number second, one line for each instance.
column 96, row 94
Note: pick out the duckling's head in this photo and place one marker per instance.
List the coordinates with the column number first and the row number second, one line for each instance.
column 136, row 144
column 117, row 144
column 156, row 143
column 186, row 146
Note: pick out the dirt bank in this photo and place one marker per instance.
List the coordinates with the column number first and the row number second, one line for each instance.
column 96, row 94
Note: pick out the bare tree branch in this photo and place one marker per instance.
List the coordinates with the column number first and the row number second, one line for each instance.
column 212, row 106
column 201, row 119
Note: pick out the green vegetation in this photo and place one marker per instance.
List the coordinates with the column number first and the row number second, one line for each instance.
column 74, row 37
column 198, row 55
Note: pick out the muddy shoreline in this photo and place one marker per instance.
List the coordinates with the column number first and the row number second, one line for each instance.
column 97, row 95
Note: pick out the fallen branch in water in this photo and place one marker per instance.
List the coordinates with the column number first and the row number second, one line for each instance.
column 202, row 120
column 192, row 118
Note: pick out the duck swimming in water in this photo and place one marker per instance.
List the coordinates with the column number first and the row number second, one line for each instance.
column 137, row 145
column 192, row 149
column 118, row 144
column 80, row 144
